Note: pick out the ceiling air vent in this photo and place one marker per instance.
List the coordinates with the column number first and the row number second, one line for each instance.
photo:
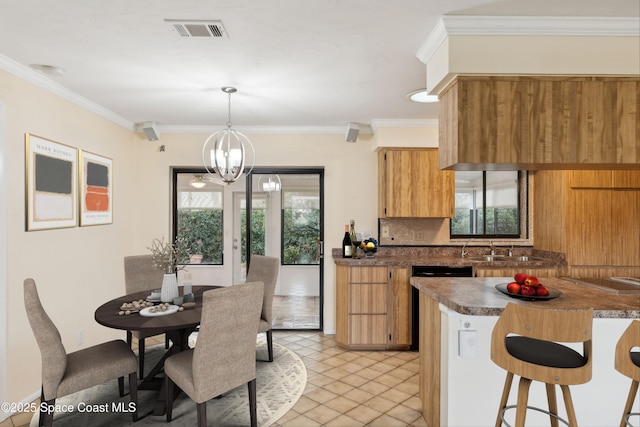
column 207, row 29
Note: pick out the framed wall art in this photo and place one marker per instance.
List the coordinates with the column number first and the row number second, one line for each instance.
column 96, row 189
column 51, row 174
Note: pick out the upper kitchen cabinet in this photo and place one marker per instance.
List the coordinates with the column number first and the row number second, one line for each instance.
column 540, row 122
column 410, row 184
column 591, row 217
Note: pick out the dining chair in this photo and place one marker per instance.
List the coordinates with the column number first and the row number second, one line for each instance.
column 224, row 355
column 265, row 269
column 526, row 342
column 627, row 362
column 62, row 373
column 140, row 274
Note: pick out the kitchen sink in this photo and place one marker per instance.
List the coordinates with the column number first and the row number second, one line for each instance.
column 504, row 258
column 618, row 285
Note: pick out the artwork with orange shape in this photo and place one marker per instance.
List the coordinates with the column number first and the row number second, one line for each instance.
column 96, row 183
column 97, row 194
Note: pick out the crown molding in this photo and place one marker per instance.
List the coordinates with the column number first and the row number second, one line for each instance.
column 577, row 26
column 39, row 80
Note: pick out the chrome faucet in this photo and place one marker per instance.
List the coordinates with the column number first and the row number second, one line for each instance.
column 493, row 249
column 511, row 251
column 464, row 253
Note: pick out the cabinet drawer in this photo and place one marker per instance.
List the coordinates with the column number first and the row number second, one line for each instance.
column 369, row 298
column 368, row 329
column 368, row 275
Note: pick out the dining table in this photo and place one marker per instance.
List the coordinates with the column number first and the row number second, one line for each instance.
column 178, row 326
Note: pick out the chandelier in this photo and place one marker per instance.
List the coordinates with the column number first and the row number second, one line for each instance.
column 224, row 153
column 269, row 184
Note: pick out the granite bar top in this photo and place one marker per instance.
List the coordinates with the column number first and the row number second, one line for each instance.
column 478, row 296
column 447, row 256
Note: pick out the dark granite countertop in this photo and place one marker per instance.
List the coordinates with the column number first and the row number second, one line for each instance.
column 478, row 296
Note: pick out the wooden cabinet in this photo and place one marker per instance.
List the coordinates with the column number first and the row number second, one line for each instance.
column 591, row 216
column 510, row 272
column 410, row 184
column 373, row 307
column 539, row 122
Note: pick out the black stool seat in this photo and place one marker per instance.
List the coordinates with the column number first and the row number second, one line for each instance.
column 635, row 357
column 544, row 353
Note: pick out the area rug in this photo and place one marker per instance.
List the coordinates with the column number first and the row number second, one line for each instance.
column 279, row 385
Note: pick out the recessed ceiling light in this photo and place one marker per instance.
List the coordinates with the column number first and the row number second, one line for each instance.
column 48, row 69
column 422, row 96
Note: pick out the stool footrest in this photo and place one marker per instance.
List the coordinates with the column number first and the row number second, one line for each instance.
column 532, row 408
column 629, row 415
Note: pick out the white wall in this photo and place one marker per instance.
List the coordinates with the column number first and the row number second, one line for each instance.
column 3, row 252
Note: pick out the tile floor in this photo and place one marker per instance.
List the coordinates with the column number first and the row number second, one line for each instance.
column 296, row 312
column 344, row 388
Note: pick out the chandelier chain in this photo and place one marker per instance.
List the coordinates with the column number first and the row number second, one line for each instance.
column 229, row 116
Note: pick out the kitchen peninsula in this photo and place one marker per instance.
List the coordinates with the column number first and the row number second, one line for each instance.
column 461, row 386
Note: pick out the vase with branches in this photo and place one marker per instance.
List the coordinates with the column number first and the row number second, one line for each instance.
column 165, row 256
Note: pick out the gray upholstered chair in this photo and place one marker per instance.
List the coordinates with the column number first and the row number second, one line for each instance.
column 62, row 373
column 224, row 355
column 265, row 269
column 141, row 275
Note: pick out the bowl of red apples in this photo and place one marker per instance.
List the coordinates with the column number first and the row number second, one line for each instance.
column 527, row 287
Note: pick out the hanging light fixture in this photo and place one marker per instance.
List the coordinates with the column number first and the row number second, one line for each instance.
column 269, row 184
column 224, row 153
column 197, row 182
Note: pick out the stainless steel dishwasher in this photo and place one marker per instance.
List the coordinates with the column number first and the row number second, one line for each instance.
column 430, row 271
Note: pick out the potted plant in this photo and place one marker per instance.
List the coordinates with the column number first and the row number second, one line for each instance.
column 165, row 255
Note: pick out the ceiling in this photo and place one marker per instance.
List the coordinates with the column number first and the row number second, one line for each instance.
column 295, row 63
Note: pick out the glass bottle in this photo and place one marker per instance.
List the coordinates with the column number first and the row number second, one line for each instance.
column 354, row 239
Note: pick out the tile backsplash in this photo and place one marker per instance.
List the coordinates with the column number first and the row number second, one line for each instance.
column 414, row 231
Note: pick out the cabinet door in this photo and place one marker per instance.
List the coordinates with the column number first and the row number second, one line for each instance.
column 368, row 329
column 510, row 272
column 400, row 310
column 368, row 298
column 589, row 227
column 414, row 187
column 625, row 227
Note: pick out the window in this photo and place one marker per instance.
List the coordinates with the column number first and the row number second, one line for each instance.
column 199, row 219
column 489, row 204
column 301, row 227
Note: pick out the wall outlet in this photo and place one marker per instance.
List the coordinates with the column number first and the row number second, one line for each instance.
column 418, row 235
column 384, row 231
column 80, row 337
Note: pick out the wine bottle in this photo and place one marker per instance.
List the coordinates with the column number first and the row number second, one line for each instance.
column 354, row 240
column 346, row 243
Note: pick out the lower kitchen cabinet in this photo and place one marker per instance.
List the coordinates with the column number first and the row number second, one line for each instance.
column 373, row 307
column 510, row 272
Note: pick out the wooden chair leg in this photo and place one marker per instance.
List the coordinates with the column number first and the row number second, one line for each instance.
column 270, row 344
column 505, row 396
column 121, row 386
column 568, row 404
column 523, row 398
column 630, row 401
column 133, row 394
column 202, row 414
column 141, row 357
column 168, row 398
column 252, row 402
column 553, row 403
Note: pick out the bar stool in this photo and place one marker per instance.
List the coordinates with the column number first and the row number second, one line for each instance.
column 627, row 362
column 525, row 342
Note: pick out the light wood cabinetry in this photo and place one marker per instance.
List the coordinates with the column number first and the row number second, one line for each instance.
column 510, row 272
column 540, row 122
column 410, row 184
column 591, row 216
column 373, row 307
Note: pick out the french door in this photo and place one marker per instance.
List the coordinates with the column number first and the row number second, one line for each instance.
column 285, row 221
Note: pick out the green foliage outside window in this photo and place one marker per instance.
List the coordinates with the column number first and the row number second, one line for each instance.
column 201, row 232
column 301, row 233
column 257, row 233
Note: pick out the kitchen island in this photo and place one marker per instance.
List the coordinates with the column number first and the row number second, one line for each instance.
column 461, row 386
